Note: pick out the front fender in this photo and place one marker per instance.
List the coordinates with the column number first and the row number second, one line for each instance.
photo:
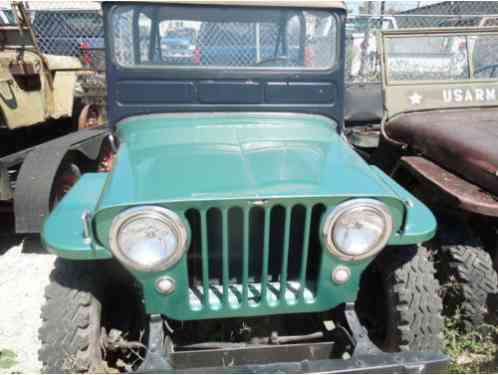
column 419, row 224
column 62, row 232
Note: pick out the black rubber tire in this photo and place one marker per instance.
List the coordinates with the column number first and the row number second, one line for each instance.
column 71, row 320
column 399, row 301
column 414, row 306
column 467, row 272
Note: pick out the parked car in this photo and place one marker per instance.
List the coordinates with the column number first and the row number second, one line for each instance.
column 238, row 230
column 439, row 140
column 249, row 44
column 178, row 45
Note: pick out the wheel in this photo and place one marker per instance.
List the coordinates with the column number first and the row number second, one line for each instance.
column 86, row 326
column 89, row 117
column 399, row 301
column 466, row 271
column 66, row 177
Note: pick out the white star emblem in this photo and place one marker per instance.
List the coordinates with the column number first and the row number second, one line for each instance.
column 416, row 98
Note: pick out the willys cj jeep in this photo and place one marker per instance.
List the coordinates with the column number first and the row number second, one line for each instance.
column 439, row 140
column 48, row 137
column 237, row 225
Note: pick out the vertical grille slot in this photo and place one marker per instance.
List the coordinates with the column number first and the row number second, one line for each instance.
column 253, row 256
column 314, row 252
column 235, row 239
column 215, row 251
column 194, row 254
column 277, row 223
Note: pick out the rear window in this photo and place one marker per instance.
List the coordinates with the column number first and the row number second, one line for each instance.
column 215, row 37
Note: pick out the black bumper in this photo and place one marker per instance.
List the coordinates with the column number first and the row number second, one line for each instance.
column 402, row 363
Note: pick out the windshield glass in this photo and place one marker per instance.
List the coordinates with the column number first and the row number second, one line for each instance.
column 184, row 36
column 449, row 57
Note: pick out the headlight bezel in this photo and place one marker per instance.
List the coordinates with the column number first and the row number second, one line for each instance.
column 332, row 216
column 164, row 215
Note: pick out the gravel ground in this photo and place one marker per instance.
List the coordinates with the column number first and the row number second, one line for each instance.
column 24, row 271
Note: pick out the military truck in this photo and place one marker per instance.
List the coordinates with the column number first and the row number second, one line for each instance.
column 48, row 136
column 439, row 140
column 237, row 231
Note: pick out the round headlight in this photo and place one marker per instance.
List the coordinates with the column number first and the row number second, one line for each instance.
column 357, row 229
column 148, row 238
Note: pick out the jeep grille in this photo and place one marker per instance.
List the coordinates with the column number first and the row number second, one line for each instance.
column 253, row 256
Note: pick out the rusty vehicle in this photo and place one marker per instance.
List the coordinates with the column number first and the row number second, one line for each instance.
column 48, row 136
column 439, row 140
column 237, row 231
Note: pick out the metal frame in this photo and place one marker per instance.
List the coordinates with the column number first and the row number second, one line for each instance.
column 271, row 90
column 400, row 33
column 366, row 357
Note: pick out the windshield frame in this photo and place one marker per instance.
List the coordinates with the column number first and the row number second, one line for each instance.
column 435, row 32
column 217, row 70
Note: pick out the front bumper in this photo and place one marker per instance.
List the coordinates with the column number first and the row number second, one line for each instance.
column 294, row 358
column 392, row 363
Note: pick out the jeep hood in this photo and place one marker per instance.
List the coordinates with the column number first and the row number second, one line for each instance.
column 202, row 157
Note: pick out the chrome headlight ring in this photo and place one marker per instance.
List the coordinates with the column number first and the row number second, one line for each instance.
column 163, row 217
column 371, row 206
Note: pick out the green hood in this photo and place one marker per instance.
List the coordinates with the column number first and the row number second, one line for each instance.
column 175, row 158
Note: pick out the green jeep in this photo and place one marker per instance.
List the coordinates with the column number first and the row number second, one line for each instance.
column 238, row 231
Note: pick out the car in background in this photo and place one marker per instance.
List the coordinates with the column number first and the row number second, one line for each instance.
column 178, row 45
column 255, row 44
column 439, row 139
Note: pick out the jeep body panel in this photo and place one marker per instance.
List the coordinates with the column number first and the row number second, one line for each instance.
column 63, row 236
column 274, row 160
column 449, row 119
column 43, row 83
column 414, row 88
column 265, row 155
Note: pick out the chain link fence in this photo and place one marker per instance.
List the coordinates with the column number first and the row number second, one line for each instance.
column 75, row 28
column 366, row 19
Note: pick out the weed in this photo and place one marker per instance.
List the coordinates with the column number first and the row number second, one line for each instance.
column 7, row 359
column 473, row 352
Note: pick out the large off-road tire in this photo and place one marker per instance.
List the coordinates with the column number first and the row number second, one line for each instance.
column 470, row 282
column 71, row 320
column 399, row 301
column 84, row 302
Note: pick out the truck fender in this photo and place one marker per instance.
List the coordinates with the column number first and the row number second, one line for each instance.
column 36, row 177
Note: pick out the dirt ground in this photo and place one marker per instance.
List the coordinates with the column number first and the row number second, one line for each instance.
column 24, row 271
